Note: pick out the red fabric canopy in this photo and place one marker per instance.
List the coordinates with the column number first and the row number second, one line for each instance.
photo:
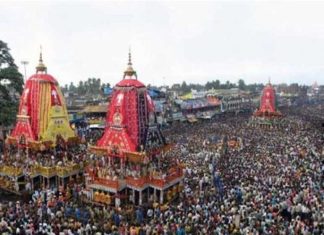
column 268, row 103
column 128, row 82
column 268, row 100
column 40, row 95
column 127, row 117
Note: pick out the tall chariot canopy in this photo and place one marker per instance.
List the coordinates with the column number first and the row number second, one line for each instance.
column 268, row 102
column 42, row 115
column 130, row 118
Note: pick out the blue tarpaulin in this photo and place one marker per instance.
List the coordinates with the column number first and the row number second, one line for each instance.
column 153, row 93
column 108, row 91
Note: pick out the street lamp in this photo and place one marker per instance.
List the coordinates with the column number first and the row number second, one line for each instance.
column 24, row 63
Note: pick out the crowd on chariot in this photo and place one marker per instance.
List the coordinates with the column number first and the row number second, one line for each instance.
column 272, row 184
column 28, row 161
column 152, row 167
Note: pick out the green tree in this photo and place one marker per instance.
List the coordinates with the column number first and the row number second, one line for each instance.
column 81, row 88
column 208, row 85
column 241, row 84
column 86, row 87
column 72, row 87
column 11, row 86
column 184, row 87
column 216, row 84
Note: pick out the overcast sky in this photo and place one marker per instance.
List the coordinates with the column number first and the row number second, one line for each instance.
column 170, row 41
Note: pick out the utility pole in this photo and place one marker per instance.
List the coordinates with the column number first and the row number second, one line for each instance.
column 24, row 63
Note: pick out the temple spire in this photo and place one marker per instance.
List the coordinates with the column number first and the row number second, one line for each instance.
column 129, row 57
column 41, row 66
column 130, row 71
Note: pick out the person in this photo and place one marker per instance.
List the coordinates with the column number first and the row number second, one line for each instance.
column 139, row 216
column 180, row 230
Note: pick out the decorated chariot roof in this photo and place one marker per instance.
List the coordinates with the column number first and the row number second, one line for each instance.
column 130, row 83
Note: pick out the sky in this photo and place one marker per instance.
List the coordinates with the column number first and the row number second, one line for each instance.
column 170, row 41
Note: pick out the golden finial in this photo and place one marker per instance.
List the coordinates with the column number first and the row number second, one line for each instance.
column 41, row 66
column 40, row 55
column 130, row 71
column 129, row 57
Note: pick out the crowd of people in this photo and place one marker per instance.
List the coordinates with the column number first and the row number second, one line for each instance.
column 28, row 161
column 271, row 184
column 48, row 158
column 114, row 168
